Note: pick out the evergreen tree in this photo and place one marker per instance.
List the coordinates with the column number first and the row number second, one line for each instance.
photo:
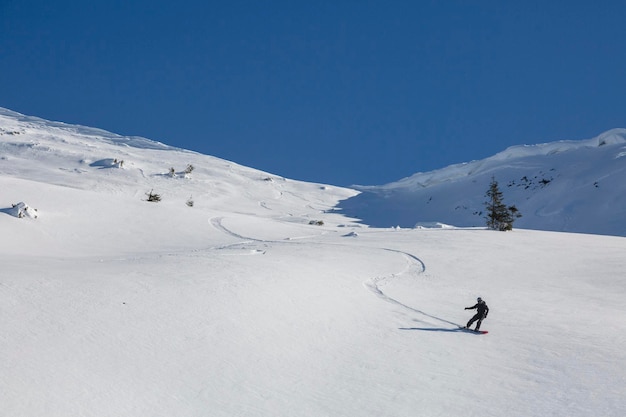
column 499, row 216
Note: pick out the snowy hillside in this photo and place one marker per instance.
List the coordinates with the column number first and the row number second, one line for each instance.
column 241, row 293
column 90, row 171
column 571, row 186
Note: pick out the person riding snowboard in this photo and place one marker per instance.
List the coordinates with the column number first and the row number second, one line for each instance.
column 481, row 314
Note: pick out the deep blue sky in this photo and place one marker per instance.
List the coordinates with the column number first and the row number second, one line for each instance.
column 338, row 92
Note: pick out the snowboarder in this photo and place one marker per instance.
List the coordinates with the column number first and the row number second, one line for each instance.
column 482, row 311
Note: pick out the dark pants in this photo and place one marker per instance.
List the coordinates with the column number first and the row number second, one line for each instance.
column 478, row 317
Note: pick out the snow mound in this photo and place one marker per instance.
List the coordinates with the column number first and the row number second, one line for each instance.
column 107, row 163
column 567, row 186
column 433, row 225
column 21, row 210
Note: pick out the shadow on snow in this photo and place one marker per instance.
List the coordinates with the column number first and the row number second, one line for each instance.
column 439, row 329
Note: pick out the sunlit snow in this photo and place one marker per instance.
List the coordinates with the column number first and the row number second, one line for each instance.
column 261, row 298
column 565, row 186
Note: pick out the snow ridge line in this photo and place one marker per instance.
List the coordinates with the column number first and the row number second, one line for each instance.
column 413, row 261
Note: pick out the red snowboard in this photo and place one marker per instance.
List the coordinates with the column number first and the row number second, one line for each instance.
column 474, row 331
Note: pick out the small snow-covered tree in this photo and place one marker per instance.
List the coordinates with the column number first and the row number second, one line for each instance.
column 499, row 215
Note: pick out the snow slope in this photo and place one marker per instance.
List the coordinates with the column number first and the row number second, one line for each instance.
column 571, row 186
column 114, row 306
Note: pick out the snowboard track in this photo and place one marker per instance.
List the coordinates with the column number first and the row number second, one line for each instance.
column 414, row 266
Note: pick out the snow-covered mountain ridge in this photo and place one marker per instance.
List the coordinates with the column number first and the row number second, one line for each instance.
column 261, row 299
column 38, row 150
column 511, row 155
column 86, row 165
column 14, row 123
column 573, row 186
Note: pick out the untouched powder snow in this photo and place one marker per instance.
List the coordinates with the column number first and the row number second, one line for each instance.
column 261, row 299
column 571, row 186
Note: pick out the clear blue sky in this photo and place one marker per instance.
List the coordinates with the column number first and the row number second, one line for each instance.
column 339, row 92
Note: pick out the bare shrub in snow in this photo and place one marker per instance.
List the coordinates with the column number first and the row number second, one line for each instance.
column 154, row 197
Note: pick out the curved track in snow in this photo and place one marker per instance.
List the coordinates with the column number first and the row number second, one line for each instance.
column 216, row 222
column 414, row 266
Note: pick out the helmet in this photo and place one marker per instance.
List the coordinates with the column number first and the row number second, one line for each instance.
column 479, row 299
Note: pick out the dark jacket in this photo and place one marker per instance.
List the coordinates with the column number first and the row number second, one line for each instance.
column 481, row 307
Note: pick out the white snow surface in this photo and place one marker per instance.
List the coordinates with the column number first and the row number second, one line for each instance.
column 111, row 305
column 566, row 186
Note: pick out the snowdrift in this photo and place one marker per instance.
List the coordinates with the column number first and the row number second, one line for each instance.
column 22, row 210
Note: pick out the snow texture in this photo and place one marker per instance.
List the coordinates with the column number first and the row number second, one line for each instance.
column 115, row 306
column 566, row 186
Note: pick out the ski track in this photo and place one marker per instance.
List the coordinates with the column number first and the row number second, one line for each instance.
column 415, row 266
column 216, row 222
